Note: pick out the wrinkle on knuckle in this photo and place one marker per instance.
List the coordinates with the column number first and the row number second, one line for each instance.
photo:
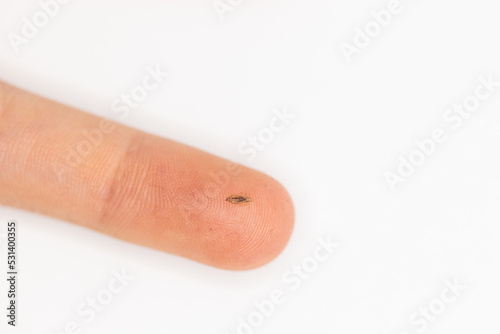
column 121, row 192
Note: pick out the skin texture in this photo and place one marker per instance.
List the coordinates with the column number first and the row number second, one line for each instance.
column 137, row 187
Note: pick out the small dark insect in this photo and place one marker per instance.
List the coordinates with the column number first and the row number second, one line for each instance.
column 238, row 199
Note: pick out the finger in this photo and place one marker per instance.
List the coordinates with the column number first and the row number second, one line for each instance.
column 144, row 189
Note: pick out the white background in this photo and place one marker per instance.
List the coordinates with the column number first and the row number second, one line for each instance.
column 398, row 248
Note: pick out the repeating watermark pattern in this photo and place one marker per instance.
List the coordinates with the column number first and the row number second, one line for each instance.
column 89, row 309
column 420, row 320
column 293, row 279
column 224, row 7
column 257, row 143
column 453, row 119
column 76, row 153
column 30, row 27
column 150, row 82
column 363, row 36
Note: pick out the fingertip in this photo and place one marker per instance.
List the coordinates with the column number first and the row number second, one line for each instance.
column 258, row 228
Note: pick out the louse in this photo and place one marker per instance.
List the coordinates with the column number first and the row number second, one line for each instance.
column 238, row 199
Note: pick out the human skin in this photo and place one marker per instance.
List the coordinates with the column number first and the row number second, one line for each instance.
column 74, row 166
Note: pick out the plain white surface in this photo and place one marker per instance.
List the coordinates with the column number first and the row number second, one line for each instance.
column 398, row 248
